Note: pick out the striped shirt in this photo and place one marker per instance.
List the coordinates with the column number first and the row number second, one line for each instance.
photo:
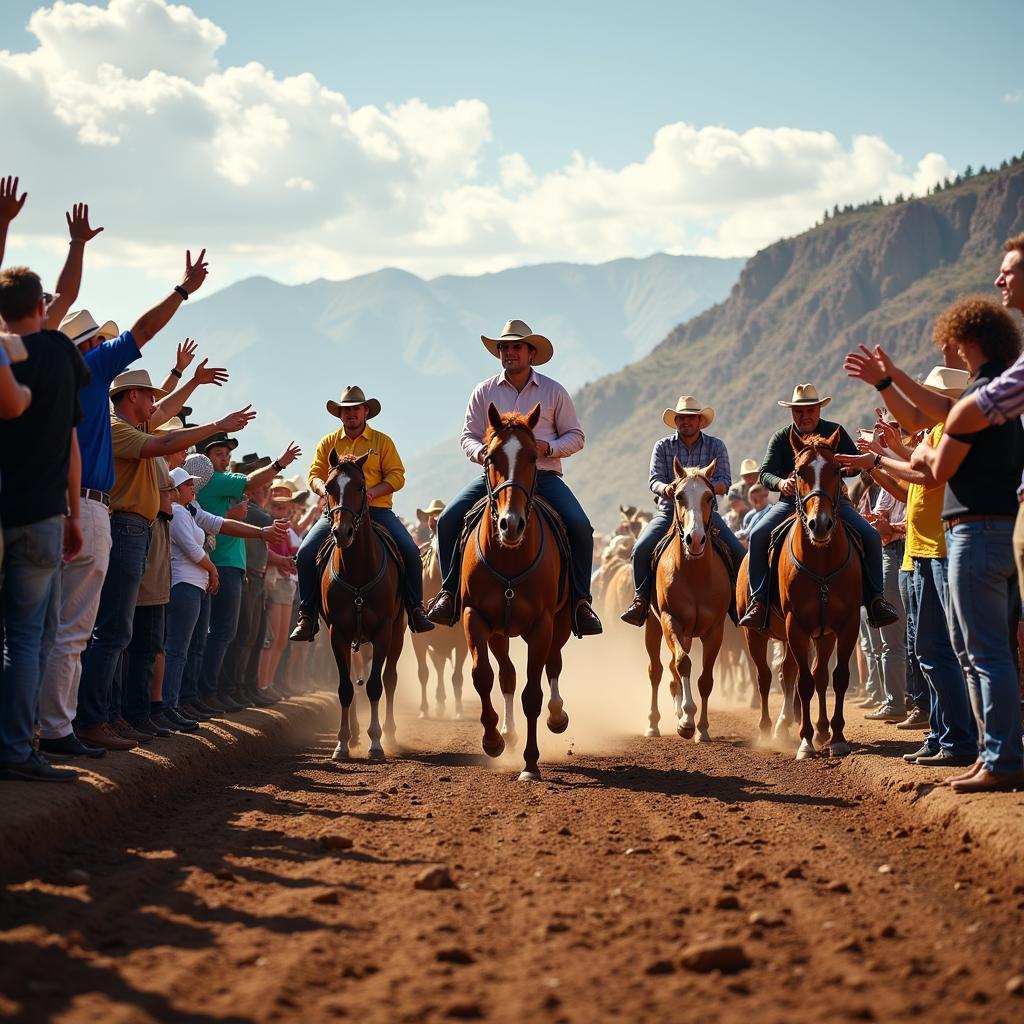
column 1002, row 397
column 700, row 453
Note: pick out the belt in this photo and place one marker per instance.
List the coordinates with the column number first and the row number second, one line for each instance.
column 100, row 496
column 957, row 520
column 135, row 515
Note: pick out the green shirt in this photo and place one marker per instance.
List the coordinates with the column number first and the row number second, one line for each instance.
column 780, row 460
column 223, row 491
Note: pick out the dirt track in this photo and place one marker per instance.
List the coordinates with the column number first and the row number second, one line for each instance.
column 576, row 896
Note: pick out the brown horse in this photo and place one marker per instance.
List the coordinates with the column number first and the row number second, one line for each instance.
column 512, row 586
column 819, row 576
column 690, row 600
column 360, row 590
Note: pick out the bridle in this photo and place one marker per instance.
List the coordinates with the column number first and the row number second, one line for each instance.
column 818, row 492
column 333, row 511
column 679, row 525
column 493, row 492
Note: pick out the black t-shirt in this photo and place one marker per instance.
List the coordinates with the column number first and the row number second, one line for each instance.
column 35, row 447
column 986, row 482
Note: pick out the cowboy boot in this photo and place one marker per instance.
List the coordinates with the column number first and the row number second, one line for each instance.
column 418, row 621
column 306, row 628
column 442, row 609
column 881, row 613
column 755, row 618
column 587, row 622
column 636, row 613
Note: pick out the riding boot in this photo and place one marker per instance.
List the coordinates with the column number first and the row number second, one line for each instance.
column 587, row 622
column 881, row 613
column 306, row 628
column 756, row 617
column 636, row 613
column 418, row 621
column 442, row 609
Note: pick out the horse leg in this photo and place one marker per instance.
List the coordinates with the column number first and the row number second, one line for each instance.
column 477, row 630
column 558, row 720
column 822, row 653
column 498, row 644
column 799, row 644
column 422, row 673
column 342, row 652
column 374, row 690
column 680, row 647
column 394, row 652
column 710, row 646
column 838, row 746
column 655, row 670
column 437, row 656
column 757, row 648
column 788, row 672
column 460, row 660
column 538, row 647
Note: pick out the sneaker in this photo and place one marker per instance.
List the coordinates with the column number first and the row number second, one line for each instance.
column 69, row 746
column 944, row 759
column 915, row 719
column 922, row 751
column 885, row 714
column 126, row 732
column 179, row 721
column 35, row 768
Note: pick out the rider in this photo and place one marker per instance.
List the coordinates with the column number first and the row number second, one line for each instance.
column 384, row 475
column 693, row 448
column 517, row 389
column 777, row 475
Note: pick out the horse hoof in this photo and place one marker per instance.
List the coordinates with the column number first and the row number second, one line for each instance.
column 424, row 714
column 652, row 730
column 376, row 752
column 702, row 737
column 559, row 725
column 494, row 749
column 686, row 731
column 526, row 776
column 805, row 751
column 839, row 750
column 458, row 713
column 340, row 753
column 821, row 740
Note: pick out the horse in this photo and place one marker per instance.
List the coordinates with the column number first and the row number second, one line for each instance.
column 361, row 597
column 513, row 584
column 819, row 583
column 690, row 600
column 439, row 645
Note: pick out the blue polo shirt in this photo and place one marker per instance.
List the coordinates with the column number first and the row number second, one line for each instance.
column 105, row 362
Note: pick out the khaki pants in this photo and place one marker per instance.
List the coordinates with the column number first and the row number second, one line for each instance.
column 1018, row 547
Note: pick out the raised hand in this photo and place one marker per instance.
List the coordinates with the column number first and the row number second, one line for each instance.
column 291, row 453
column 195, row 273
column 863, row 366
column 865, row 461
column 884, row 361
column 887, row 435
column 78, row 224
column 10, row 203
column 210, row 374
column 186, row 353
column 236, row 421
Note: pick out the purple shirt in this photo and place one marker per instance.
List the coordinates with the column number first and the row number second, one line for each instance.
column 1002, row 398
column 558, row 424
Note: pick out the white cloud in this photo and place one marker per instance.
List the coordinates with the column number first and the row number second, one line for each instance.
column 128, row 106
column 1017, row 96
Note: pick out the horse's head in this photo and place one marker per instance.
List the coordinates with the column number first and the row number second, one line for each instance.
column 819, row 481
column 510, row 469
column 693, row 503
column 345, row 491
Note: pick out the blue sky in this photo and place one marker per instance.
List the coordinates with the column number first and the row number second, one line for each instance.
column 559, row 130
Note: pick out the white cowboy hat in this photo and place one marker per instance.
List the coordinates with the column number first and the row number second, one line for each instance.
column 80, row 326
column 134, row 380
column 436, row 507
column 350, row 397
column 805, row 394
column 519, row 330
column 946, row 381
column 749, row 466
column 689, row 406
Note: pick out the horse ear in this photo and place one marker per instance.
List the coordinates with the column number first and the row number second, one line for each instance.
column 709, row 469
column 362, row 459
column 677, row 466
column 333, row 458
column 833, row 441
column 494, row 417
column 533, row 417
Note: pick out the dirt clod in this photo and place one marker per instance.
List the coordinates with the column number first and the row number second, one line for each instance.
column 432, row 879
column 335, row 841
column 727, row 957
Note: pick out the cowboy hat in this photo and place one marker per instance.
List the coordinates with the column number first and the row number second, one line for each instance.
column 201, row 468
column 519, row 330
column 250, row 463
column 134, row 380
column 216, row 440
column 749, row 466
column 174, row 423
column 181, row 475
column 80, row 326
column 436, row 507
column 353, row 396
column 944, row 380
column 805, row 394
column 294, row 494
column 689, row 406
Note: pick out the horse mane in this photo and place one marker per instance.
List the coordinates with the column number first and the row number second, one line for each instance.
column 343, row 460
column 814, row 441
column 509, row 421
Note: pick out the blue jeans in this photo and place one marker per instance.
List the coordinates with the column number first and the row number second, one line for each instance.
column 981, row 577
column 952, row 722
column 917, row 686
column 224, row 608
column 29, row 609
column 139, row 658
column 643, row 550
column 309, row 578
column 194, row 662
column 553, row 489
column 182, row 616
column 762, row 534
column 112, row 633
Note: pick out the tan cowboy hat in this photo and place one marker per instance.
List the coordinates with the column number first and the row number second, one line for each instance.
column 749, row 466
column 174, row 423
column 351, row 396
column 946, row 381
column 80, row 326
column 805, row 394
column 436, row 507
column 519, row 330
column 134, row 380
column 294, row 494
column 689, row 406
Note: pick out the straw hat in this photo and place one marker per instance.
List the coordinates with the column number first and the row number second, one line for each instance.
column 689, row 406
column 749, row 466
column 352, row 396
column 805, row 394
column 293, row 494
column 80, row 326
column 436, row 507
column 519, row 330
column 944, row 380
column 134, row 380
column 174, row 423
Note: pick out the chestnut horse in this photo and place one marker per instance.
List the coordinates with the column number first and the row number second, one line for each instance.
column 360, row 590
column 690, row 600
column 512, row 586
column 819, row 576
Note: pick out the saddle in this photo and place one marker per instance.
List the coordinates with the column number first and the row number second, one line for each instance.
column 721, row 549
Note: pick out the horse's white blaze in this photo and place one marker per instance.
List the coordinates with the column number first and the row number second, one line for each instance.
column 512, row 447
column 818, row 465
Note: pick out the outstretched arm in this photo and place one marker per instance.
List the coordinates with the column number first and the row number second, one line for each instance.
column 10, row 207
column 70, row 281
column 156, row 319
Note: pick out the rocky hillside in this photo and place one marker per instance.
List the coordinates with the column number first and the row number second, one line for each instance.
column 877, row 275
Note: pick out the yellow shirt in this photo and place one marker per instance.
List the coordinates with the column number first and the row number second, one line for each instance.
column 136, row 488
column 382, row 465
column 926, row 537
